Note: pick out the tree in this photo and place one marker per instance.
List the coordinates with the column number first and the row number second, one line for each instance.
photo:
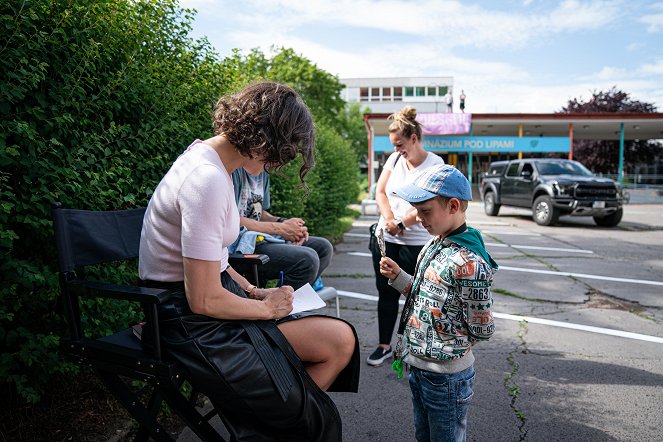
column 603, row 156
column 334, row 182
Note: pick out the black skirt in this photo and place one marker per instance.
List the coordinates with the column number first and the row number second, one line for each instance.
column 250, row 372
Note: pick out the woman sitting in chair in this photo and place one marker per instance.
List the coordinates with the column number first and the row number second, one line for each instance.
column 258, row 365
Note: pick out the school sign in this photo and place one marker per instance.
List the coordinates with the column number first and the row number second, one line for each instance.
column 483, row 144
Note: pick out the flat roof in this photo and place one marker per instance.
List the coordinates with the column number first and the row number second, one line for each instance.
column 590, row 126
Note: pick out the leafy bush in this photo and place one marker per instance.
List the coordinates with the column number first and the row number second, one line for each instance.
column 333, row 183
column 97, row 100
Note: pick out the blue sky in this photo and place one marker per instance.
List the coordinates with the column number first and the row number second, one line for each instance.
column 508, row 56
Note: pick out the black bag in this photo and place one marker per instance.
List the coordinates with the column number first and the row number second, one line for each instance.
column 372, row 240
column 250, row 372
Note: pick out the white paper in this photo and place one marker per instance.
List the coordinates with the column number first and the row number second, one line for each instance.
column 305, row 298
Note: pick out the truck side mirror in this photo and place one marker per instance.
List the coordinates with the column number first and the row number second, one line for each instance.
column 526, row 174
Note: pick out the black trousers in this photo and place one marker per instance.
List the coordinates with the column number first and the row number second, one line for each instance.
column 406, row 258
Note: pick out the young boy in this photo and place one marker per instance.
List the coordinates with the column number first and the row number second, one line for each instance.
column 448, row 304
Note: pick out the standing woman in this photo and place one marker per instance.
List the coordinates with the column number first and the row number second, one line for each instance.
column 239, row 345
column 404, row 236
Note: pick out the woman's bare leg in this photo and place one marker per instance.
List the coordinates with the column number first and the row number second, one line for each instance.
column 324, row 345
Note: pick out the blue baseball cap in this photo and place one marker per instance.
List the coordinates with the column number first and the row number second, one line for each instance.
column 439, row 180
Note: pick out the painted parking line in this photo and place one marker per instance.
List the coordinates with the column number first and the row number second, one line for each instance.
column 554, row 249
column 358, row 235
column 551, row 272
column 583, row 275
column 533, row 320
column 588, row 328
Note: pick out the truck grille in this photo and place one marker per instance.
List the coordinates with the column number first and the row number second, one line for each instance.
column 595, row 192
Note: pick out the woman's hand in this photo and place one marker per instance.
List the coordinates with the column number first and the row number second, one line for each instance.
column 278, row 300
column 389, row 268
column 391, row 226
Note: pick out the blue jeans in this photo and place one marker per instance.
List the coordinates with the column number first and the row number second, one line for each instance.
column 300, row 264
column 440, row 403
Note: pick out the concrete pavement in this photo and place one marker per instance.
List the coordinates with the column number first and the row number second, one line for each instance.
column 534, row 381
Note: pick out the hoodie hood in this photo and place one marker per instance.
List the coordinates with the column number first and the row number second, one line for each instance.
column 472, row 240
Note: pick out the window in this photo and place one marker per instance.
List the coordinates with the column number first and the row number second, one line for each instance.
column 420, row 91
column 442, row 91
column 431, row 91
column 513, row 169
column 398, row 93
column 363, row 94
column 409, row 91
column 496, row 170
column 386, row 93
column 375, row 94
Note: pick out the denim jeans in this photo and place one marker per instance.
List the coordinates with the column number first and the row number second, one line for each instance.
column 440, row 404
column 300, row 264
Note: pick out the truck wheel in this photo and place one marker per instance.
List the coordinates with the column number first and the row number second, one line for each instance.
column 543, row 211
column 489, row 205
column 611, row 220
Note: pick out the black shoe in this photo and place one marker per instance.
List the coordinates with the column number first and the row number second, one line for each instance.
column 379, row 356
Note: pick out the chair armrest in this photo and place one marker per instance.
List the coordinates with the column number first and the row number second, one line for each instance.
column 245, row 260
column 124, row 292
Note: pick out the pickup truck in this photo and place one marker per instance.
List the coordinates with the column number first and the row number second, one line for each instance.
column 551, row 187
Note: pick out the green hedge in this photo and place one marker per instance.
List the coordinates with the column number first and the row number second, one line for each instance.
column 97, row 99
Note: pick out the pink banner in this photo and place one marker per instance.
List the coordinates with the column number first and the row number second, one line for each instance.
column 445, row 124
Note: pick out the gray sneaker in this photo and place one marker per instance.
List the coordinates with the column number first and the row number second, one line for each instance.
column 379, row 356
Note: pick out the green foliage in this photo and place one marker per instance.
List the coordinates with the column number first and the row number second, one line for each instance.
column 602, row 156
column 96, row 101
column 334, row 182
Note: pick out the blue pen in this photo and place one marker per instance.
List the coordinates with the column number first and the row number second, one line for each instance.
column 280, row 278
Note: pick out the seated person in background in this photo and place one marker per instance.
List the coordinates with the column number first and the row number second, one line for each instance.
column 304, row 258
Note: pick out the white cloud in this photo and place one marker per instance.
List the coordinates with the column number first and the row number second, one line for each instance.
column 441, row 37
column 452, row 21
column 653, row 68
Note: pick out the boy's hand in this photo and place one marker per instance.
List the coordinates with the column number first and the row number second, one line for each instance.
column 389, row 268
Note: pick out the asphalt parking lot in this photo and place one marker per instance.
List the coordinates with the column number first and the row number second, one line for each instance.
column 578, row 351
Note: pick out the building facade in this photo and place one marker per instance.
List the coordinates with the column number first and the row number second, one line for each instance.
column 388, row 95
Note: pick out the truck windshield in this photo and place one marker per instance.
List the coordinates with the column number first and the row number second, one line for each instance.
column 562, row 168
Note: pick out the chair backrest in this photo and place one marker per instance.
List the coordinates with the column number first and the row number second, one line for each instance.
column 85, row 237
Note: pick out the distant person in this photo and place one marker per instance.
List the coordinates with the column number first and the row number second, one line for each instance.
column 303, row 258
column 447, row 308
column 404, row 236
column 449, row 99
column 462, row 101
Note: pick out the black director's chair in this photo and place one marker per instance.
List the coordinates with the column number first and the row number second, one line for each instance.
column 86, row 238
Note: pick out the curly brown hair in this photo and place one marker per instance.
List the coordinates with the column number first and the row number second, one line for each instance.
column 405, row 122
column 270, row 121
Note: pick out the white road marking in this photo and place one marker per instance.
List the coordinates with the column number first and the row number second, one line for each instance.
column 533, row 320
column 359, row 254
column 589, row 328
column 493, row 244
column 359, row 235
column 583, row 275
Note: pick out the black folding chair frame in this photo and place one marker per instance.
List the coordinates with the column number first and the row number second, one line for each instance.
column 94, row 237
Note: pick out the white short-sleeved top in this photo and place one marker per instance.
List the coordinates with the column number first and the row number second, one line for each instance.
column 414, row 235
column 191, row 214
